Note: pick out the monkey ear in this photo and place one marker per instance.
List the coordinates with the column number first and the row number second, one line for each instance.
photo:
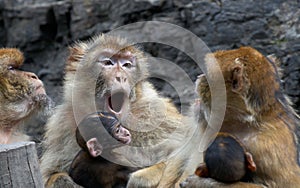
column 237, row 78
column 94, row 147
column 250, row 163
column 202, row 171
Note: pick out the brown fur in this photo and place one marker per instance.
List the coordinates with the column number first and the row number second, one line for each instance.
column 259, row 115
column 155, row 125
column 227, row 160
column 21, row 95
column 90, row 169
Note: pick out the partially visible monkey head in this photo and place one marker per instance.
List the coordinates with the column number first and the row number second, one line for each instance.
column 252, row 81
column 115, row 63
column 89, row 132
column 21, row 93
column 226, row 160
column 114, row 127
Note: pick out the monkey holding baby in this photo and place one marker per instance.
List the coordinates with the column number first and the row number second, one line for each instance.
column 263, row 119
column 258, row 115
column 108, row 73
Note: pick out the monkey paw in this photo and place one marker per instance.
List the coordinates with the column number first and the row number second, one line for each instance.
column 139, row 179
column 60, row 180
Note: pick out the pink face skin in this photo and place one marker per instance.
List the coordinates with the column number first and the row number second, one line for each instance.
column 117, row 68
column 122, row 135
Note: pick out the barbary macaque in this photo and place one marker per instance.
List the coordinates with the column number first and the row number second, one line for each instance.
column 227, row 160
column 22, row 95
column 109, row 74
column 88, row 168
column 259, row 115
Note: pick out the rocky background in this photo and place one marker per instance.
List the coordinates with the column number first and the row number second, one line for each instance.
column 43, row 29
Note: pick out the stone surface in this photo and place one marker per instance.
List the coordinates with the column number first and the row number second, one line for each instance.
column 44, row 28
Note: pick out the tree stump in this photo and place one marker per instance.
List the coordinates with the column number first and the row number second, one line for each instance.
column 19, row 166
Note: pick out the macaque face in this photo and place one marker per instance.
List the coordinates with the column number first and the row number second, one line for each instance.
column 117, row 70
column 20, row 92
column 114, row 127
column 89, row 133
column 121, row 134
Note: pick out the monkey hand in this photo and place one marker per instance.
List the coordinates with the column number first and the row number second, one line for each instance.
column 147, row 177
column 60, row 180
column 198, row 182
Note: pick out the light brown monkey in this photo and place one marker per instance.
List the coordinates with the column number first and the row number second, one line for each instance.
column 22, row 94
column 112, row 73
column 259, row 115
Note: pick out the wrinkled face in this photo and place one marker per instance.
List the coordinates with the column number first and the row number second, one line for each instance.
column 114, row 127
column 20, row 92
column 118, row 73
column 108, row 70
column 121, row 134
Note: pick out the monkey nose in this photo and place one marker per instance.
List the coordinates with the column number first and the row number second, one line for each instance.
column 121, row 79
column 182, row 184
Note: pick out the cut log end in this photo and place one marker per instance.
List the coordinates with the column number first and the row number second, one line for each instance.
column 19, row 166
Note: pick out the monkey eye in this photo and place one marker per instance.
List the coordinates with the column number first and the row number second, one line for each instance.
column 107, row 62
column 117, row 130
column 10, row 68
column 127, row 64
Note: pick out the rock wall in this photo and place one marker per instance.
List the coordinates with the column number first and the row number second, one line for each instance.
column 44, row 28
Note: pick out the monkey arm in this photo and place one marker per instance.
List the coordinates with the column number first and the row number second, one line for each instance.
column 61, row 179
column 148, row 177
column 197, row 182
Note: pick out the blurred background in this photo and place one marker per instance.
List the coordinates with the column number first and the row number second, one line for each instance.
column 43, row 30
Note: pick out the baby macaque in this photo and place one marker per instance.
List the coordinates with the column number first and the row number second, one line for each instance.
column 226, row 160
column 88, row 168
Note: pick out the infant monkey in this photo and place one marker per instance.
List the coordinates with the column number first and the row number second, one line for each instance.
column 88, row 168
column 226, row 160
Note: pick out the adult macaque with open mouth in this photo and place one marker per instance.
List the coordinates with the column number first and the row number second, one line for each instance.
column 111, row 74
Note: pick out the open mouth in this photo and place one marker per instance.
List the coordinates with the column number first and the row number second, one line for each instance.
column 124, row 140
column 116, row 102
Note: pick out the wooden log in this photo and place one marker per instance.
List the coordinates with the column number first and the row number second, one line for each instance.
column 19, row 167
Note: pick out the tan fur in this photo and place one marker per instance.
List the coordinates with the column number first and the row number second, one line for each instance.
column 270, row 135
column 21, row 95
column 156, row 127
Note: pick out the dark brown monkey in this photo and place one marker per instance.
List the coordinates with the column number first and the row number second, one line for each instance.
column 259, row 115
column 22, row 95
column 88, row 168
column 227, row 160
column 111, row 73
